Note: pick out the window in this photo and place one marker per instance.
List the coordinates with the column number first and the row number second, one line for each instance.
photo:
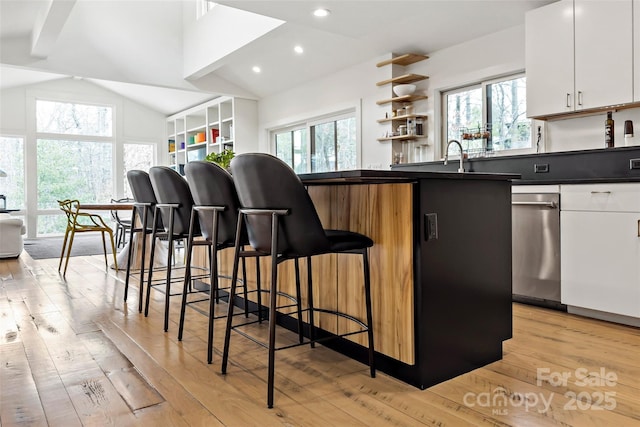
column 291, row 146
column 12, row 164
column 321, row 146
column 204, row 6
column 136, row 156
column 74, row 157
column 73, row 119
column 488, row 117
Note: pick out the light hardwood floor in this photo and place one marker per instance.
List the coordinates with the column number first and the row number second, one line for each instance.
column 72, row 354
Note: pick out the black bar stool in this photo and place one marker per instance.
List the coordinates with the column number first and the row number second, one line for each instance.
column 282, row 222
column 144, row 206
column 216, row 208
column 175, row 203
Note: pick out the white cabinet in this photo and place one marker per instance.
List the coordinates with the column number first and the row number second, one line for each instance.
column 600, row 247
column 549, row 59
column 636, row 50
column 219, row 124
column 579, row 56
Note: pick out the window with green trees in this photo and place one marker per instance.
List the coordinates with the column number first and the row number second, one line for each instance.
column 74, row 146
column 12, row 163
column 492, row 116
column 321, row 146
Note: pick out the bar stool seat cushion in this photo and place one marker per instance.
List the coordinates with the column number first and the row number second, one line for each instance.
column 342, row 240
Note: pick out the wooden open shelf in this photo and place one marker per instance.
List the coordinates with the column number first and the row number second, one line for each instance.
column 408, row 116
column 406, row 78
column 401, row 137
column 405, row 98
column 407, row 59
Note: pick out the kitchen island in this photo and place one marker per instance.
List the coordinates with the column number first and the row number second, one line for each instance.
column 440, row 268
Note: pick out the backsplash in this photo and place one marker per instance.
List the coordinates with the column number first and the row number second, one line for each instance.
column 583, row 133
column 611, row 164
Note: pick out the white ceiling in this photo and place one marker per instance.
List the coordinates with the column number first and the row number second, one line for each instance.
column 135, row 47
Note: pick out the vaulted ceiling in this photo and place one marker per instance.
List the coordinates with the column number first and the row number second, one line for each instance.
column 142, row 48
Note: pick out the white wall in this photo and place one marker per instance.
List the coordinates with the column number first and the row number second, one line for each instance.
column 582, row 133
column 493, row 55
column 216, row 35
column 134, row 123
column 350, row 88
column 487, row 57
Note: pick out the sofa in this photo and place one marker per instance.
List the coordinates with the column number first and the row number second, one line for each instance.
column 11, row 232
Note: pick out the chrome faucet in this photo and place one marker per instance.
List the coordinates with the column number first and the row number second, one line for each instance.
column 446, row 154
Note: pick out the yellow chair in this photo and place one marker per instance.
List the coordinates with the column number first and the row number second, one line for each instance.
column 81, row 222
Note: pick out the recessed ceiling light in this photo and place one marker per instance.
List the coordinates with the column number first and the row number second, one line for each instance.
column 256, row 69
column 321, row 13
column 298, row 49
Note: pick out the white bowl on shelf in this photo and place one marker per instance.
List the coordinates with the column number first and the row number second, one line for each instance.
column 403, row 90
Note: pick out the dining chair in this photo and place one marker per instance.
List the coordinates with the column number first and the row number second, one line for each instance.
column 83, row 222
column 122, row 221
column 282, row 223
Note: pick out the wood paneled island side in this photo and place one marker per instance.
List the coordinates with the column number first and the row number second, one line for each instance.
column 440, row 268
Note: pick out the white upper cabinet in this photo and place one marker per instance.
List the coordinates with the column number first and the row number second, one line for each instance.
column 549, row 59
column 579, row 55
column 636, row 50
column 603, row 52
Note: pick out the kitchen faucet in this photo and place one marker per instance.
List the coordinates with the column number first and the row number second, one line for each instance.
column 446, row 154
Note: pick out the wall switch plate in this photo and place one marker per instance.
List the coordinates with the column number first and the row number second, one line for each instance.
column 430, row 226
column 541, row 168
column 634, row 163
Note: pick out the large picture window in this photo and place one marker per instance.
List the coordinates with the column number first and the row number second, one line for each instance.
column 137, row 156
column 12, row 164
column 74, row 157
column 488, row 117
column 324, row 145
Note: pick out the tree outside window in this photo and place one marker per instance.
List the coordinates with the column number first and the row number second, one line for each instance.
column 492, row 114
column 12, row 163
column 321, row 147
column 136, row 157
column 74, row 160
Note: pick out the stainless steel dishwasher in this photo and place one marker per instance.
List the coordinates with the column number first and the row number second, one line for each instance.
column 536, row 249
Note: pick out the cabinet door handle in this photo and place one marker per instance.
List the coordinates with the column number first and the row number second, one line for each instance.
column 639, row 228
column 579, row 97
column 601, row 192
column 568, row 100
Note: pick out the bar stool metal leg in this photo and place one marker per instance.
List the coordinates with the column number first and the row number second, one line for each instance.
column 232, row 292
column 367, row 296
column 187, row 275
column 272, row 309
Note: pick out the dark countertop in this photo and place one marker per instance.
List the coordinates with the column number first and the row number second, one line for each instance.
column 574, row 181
column 374, row 176
column 607, row 165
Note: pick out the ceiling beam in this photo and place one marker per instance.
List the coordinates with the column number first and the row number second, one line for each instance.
column 48, row 26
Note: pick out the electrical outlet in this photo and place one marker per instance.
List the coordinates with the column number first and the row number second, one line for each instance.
column 541, row 168
column 430, row 226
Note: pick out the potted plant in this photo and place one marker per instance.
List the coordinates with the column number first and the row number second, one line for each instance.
column 223, row 159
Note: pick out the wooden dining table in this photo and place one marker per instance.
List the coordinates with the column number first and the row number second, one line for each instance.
column 122, row 256
column 105, row 206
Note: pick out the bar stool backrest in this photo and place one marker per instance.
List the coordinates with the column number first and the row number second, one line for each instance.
column 142, row 191
column 212, row 185
column 170, row 187
column 266, row 182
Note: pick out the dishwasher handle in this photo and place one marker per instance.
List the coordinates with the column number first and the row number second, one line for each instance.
column 550, row 205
